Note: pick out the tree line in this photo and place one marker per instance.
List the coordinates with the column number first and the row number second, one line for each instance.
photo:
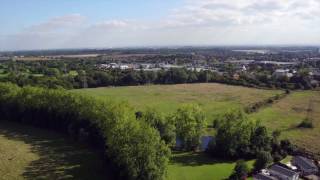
column 56, row 74
column 131, row 148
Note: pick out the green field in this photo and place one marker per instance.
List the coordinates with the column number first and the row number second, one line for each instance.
column 286, row 115
column 192, row 166
column 31, row 153
column 214, row 98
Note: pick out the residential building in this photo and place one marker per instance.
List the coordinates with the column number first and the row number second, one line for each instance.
column 262, row 176
column 283, row 173
column 305, row 165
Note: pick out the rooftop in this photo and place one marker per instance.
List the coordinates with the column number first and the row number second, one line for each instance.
column 282, row 170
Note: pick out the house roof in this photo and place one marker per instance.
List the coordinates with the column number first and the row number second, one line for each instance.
column 282, row 170
column 305, row 162
column 261, row 176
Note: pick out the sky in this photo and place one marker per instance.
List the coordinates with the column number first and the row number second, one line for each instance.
column 58, row 24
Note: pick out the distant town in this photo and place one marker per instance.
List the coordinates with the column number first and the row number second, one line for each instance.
column 281, row 67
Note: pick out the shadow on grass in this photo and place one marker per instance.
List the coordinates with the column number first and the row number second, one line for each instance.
column 195, row 159
column 59, row 158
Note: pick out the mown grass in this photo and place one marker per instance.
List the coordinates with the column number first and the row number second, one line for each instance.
column 288, row 113
column 32, row 153
column 214, row 98
column 191, row 166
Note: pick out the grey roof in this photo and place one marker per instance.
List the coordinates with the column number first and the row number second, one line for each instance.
column 306, row 163
column 261, row 176
column 282, row 170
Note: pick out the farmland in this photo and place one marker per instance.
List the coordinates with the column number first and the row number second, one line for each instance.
column 213, row 98
column 32, row 153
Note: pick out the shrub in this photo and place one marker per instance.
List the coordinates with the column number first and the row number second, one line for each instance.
column 240, row 171
column 264, row 158
column 306, row 123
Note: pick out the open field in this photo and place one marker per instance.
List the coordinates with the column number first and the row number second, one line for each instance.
column 286, row 114
column 214, row 98
column 190, row 166
column 31, row 153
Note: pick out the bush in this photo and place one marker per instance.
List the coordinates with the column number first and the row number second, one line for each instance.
column 306, row 123
column 240, row 171
column 133, row 148
column 264, row 158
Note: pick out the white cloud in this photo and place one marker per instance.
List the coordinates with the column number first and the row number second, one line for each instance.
column 209, row 22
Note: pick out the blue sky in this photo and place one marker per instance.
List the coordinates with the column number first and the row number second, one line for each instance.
column 18, row 14
column 48, row 24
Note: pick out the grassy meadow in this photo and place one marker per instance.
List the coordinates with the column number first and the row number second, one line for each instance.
column 288, row 113
column 213, row 98
column 32, row 153
column 284, row 115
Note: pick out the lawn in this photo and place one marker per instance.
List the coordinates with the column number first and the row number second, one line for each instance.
column 288, row 113
column 191, row 166
column 31, row 153
column 214, row 98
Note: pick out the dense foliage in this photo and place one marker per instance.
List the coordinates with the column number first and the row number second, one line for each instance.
column 264, row 158
column 238, row 137
column 185, row 125
column 165, row 125
column 240, row 171
column 190, row 122
column 132, row 148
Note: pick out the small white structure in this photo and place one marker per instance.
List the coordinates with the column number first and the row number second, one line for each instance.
column 279, row 73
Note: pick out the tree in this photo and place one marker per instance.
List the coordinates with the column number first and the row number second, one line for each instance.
column 264, row 158
column 190, row 121
column 233, row 135
column 260, row 139
column 240, row 171
column 165, row 126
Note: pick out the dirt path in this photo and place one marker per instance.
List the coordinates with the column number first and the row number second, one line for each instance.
column 32, row 153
